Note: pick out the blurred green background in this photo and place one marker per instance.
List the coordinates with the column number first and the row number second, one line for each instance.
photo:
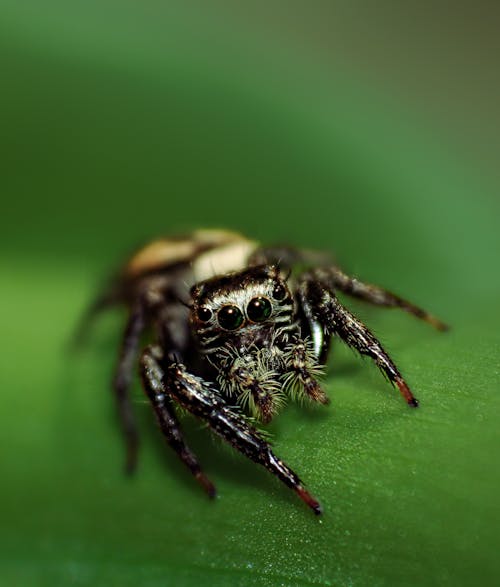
column 368, row 129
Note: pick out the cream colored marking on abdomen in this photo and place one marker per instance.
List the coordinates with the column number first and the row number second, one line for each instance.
column 164, row 252
column 160, row 253
column 224, row 259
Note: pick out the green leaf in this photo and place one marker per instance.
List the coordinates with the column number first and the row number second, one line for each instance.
column 113, row 138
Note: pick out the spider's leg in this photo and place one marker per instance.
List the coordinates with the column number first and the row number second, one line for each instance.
column 335, row 278
column 320, row 338
column 153, row 381
column 325, row 348
column 321, row 302
column 121, row 384
column 203, row 401
column 81, row 332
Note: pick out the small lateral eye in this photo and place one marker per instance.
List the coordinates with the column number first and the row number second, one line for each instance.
column 204, row 314
column 230, row 317
column 279, row 292
column 259, row 309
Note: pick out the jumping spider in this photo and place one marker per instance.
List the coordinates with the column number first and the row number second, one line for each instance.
column 235, row 326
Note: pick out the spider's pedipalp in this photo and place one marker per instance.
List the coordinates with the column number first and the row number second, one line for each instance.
column 252, row 377
column 303, row 369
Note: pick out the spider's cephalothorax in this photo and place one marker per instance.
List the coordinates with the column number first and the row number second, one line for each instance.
column 246, row 324
column 236, row 330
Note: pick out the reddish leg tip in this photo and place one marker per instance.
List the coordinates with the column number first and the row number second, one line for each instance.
column 306, row 497
column 207, row 485
column 211, row 492
column 407, row 394
column 438, row 325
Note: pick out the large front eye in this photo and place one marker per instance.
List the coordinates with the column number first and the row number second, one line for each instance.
column 259, row 309
column 230, row 317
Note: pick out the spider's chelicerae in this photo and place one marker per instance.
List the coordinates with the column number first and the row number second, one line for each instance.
column 236, row 329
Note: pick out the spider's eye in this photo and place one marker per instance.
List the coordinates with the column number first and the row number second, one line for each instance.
column 259, row 309
column 279, row 292
column 230, row 317
column 204, row 314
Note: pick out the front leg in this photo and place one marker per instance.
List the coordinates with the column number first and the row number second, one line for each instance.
column 152, row 379
column 322, row 303
column 200, row 399
column 335, row 278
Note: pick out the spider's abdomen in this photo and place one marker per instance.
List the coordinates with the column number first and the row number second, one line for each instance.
column 205, row 252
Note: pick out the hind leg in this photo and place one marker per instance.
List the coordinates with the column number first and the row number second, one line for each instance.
column 121, row 384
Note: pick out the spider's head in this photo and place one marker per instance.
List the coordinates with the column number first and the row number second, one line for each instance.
column 238, row 320
column 240, row 309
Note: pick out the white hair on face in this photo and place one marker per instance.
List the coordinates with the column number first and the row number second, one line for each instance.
column 243, row 372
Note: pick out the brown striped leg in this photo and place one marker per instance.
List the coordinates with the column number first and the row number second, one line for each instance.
column 322, row 303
